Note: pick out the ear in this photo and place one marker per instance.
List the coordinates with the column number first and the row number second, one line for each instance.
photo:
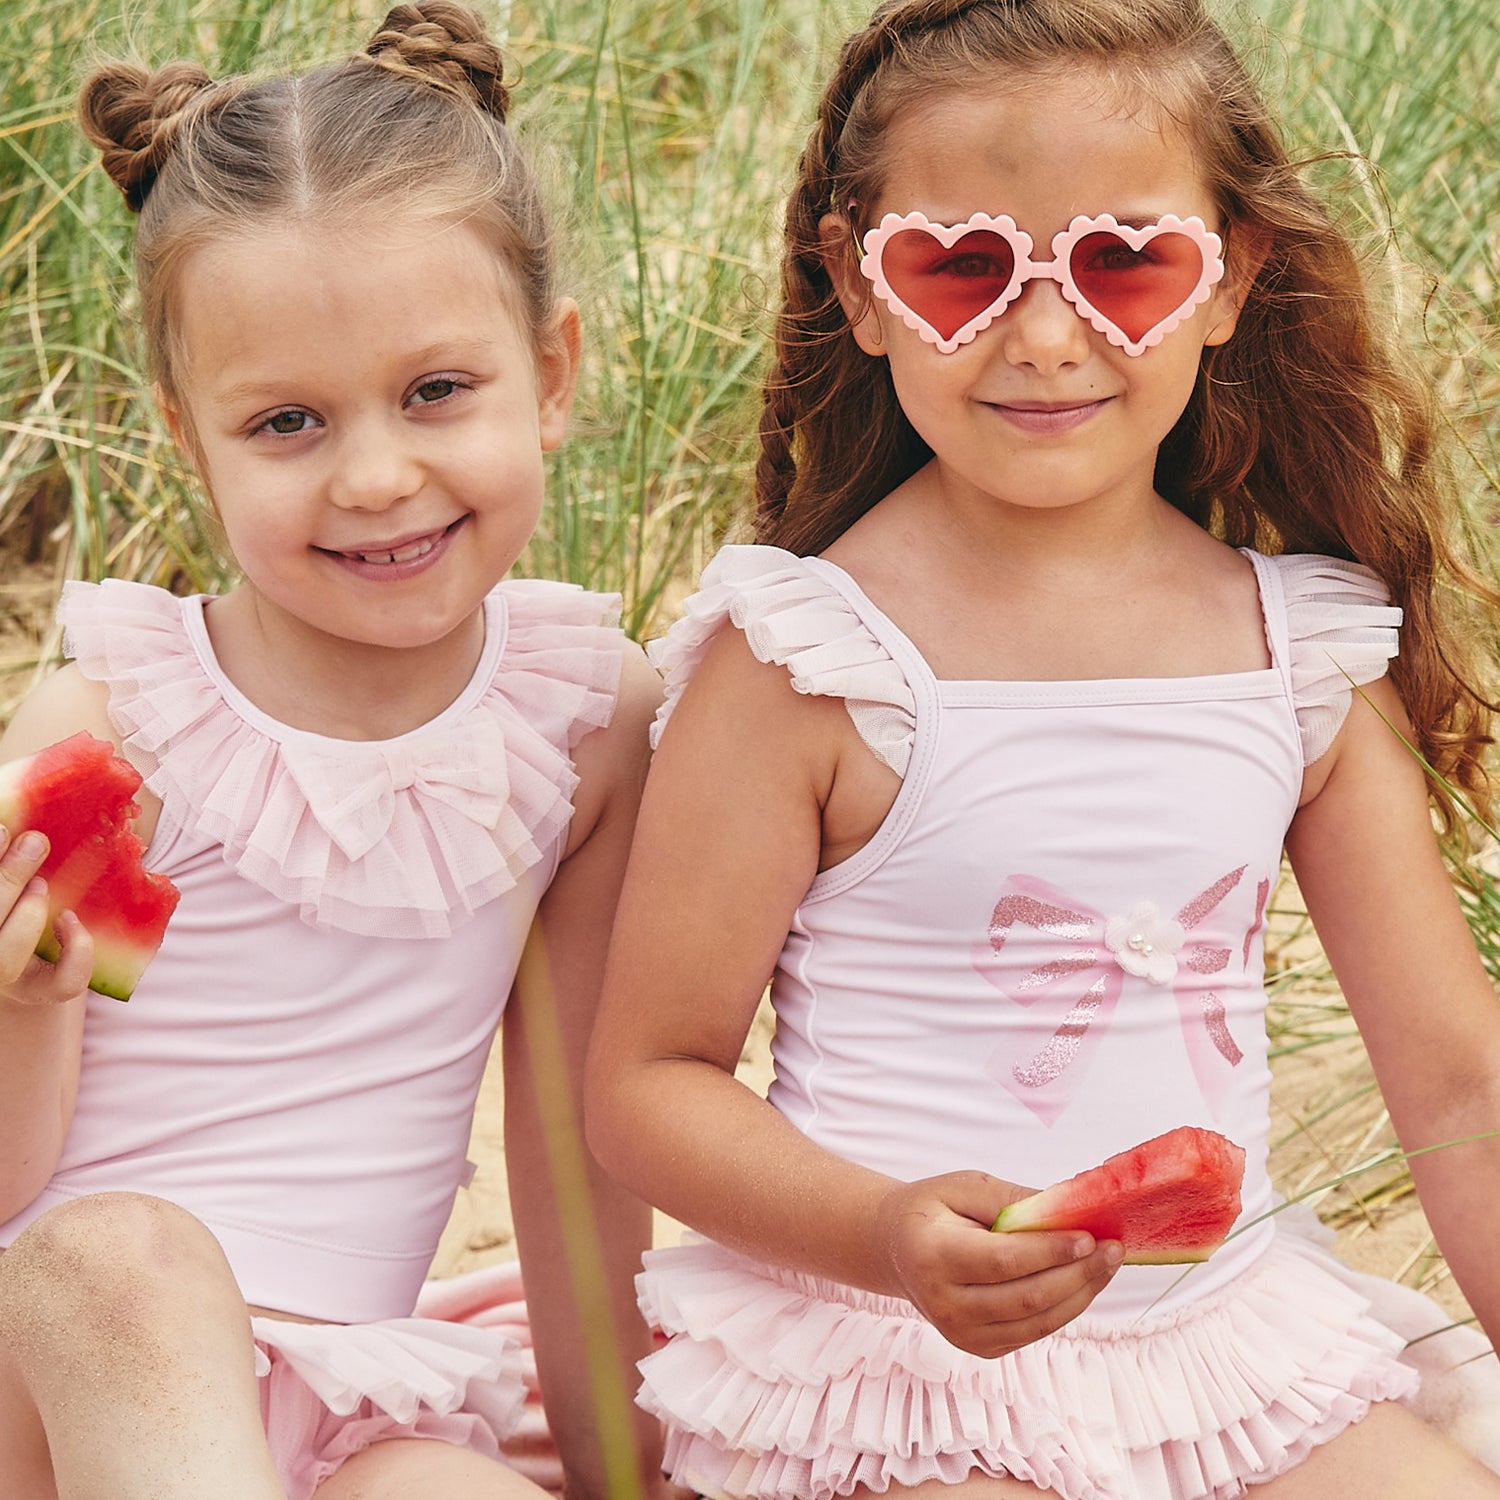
column 172, row 415
column 561, row 347
column 1245, row 252
column 841, row 261
column 176, row 418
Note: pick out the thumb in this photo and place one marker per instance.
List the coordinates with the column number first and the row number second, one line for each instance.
column 978, row 1196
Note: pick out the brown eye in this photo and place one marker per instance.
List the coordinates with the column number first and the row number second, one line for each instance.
column 1120, row 258
column 287, row 423
column 972, row 267
column 434, row 390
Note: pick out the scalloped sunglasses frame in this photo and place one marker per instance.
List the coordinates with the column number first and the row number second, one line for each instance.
column 1186, row 275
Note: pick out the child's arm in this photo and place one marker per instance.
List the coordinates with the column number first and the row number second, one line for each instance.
column 1363, row 850
column 41, row 1004
column 590, row 1328
column 730, row 837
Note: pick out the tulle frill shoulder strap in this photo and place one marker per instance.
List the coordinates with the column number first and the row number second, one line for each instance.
column 405, row 837
column 1342, row 630
column 792, row 618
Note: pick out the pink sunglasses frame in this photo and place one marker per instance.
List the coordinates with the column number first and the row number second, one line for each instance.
column 1210, row 247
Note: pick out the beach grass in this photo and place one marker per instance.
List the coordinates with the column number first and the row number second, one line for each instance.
column 668, row 135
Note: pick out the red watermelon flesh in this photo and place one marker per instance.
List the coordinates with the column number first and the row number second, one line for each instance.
column 81, row 795
column 1169, row 1200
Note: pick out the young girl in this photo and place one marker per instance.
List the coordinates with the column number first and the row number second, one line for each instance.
column 394, row 790
column 1087, row 498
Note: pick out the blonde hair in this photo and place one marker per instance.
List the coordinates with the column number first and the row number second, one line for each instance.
column 415, row 125
column 1306, row 432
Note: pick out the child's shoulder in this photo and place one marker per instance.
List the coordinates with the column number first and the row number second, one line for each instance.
column 76, row 697
column 563, row 660
column 64, row 703
column 803, row 617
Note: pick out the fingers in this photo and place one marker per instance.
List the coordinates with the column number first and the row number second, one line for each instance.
column 23, row 901
column 977, row 1195
column 990, row 1293
column 23, row 919
column 69, row 976
column 993, row 1320
column 981, row 1256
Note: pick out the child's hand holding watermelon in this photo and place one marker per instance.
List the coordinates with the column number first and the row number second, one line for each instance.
column 79, row 796
column 987, row 1293
column 25, row 978
column 1171, row 1200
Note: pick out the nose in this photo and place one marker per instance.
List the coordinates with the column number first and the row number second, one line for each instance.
column 1041, row 328
column 374, row 468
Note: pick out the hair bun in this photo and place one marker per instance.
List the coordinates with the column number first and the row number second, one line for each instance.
column 447, row 44
column 133, row 115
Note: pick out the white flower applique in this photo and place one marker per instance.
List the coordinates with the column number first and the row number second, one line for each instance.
column 1145, row 943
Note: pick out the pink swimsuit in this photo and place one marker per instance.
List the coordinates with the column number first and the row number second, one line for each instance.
column 299, row 1066
column 1050, row 951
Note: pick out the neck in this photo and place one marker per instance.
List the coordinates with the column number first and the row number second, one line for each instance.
column 1110, row 536
column 326, row 685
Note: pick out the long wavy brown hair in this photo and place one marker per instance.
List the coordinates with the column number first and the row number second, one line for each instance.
column 1306, row 432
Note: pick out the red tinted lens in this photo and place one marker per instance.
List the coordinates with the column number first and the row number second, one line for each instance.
column 947, row 286
column 1136, row 289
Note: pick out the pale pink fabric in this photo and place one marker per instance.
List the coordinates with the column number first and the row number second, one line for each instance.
column 461, row 1372
column 790, row 617
column 963, row 992
column 788, row 1386
column 299, row 1065
column 1342, row 632
column 329, row 1391
column 493, row 1299
column 405, row 837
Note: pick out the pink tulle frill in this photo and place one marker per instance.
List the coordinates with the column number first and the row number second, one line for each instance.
column 329, row 1391
column 786, row 1387
column 1341, row 627
column 795, row 619
column 405, row 837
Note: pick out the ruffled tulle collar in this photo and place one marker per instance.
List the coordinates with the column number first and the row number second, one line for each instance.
column 405, row 837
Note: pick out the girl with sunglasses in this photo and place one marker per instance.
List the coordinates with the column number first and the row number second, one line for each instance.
column 1093, row 513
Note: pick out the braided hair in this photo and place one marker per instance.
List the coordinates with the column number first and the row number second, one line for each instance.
column 819, row 378
column 1306, row 431
column 414, row 126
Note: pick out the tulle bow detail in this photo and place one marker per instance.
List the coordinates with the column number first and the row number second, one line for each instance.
column 352, row 795
column 404, row 838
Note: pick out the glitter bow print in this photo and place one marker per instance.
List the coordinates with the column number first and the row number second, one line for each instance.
column 1086, row 977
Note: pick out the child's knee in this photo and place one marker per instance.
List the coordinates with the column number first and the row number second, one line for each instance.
column 104, row 1263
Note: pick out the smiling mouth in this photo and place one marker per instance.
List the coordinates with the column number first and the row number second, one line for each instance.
column 402, row 554
column 407, row 551
column 1048, row 407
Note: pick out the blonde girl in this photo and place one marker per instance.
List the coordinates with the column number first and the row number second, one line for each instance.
column 394, row 787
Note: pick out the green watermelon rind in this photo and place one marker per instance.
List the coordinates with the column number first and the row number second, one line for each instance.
column 1187, row 1162
column 116, row 970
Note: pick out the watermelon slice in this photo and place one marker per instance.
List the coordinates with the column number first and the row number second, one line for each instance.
column 1169, row 1200
column 81, row 795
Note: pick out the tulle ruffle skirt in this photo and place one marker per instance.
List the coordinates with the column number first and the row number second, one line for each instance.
column 784, row 1386
column 463, row 1373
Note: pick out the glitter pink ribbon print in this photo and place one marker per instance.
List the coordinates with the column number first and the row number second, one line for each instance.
column 1083, row 983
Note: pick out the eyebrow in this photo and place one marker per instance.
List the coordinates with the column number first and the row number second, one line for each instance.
column 436, row 354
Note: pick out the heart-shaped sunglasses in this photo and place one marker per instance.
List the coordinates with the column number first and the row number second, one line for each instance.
column 949, row 282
